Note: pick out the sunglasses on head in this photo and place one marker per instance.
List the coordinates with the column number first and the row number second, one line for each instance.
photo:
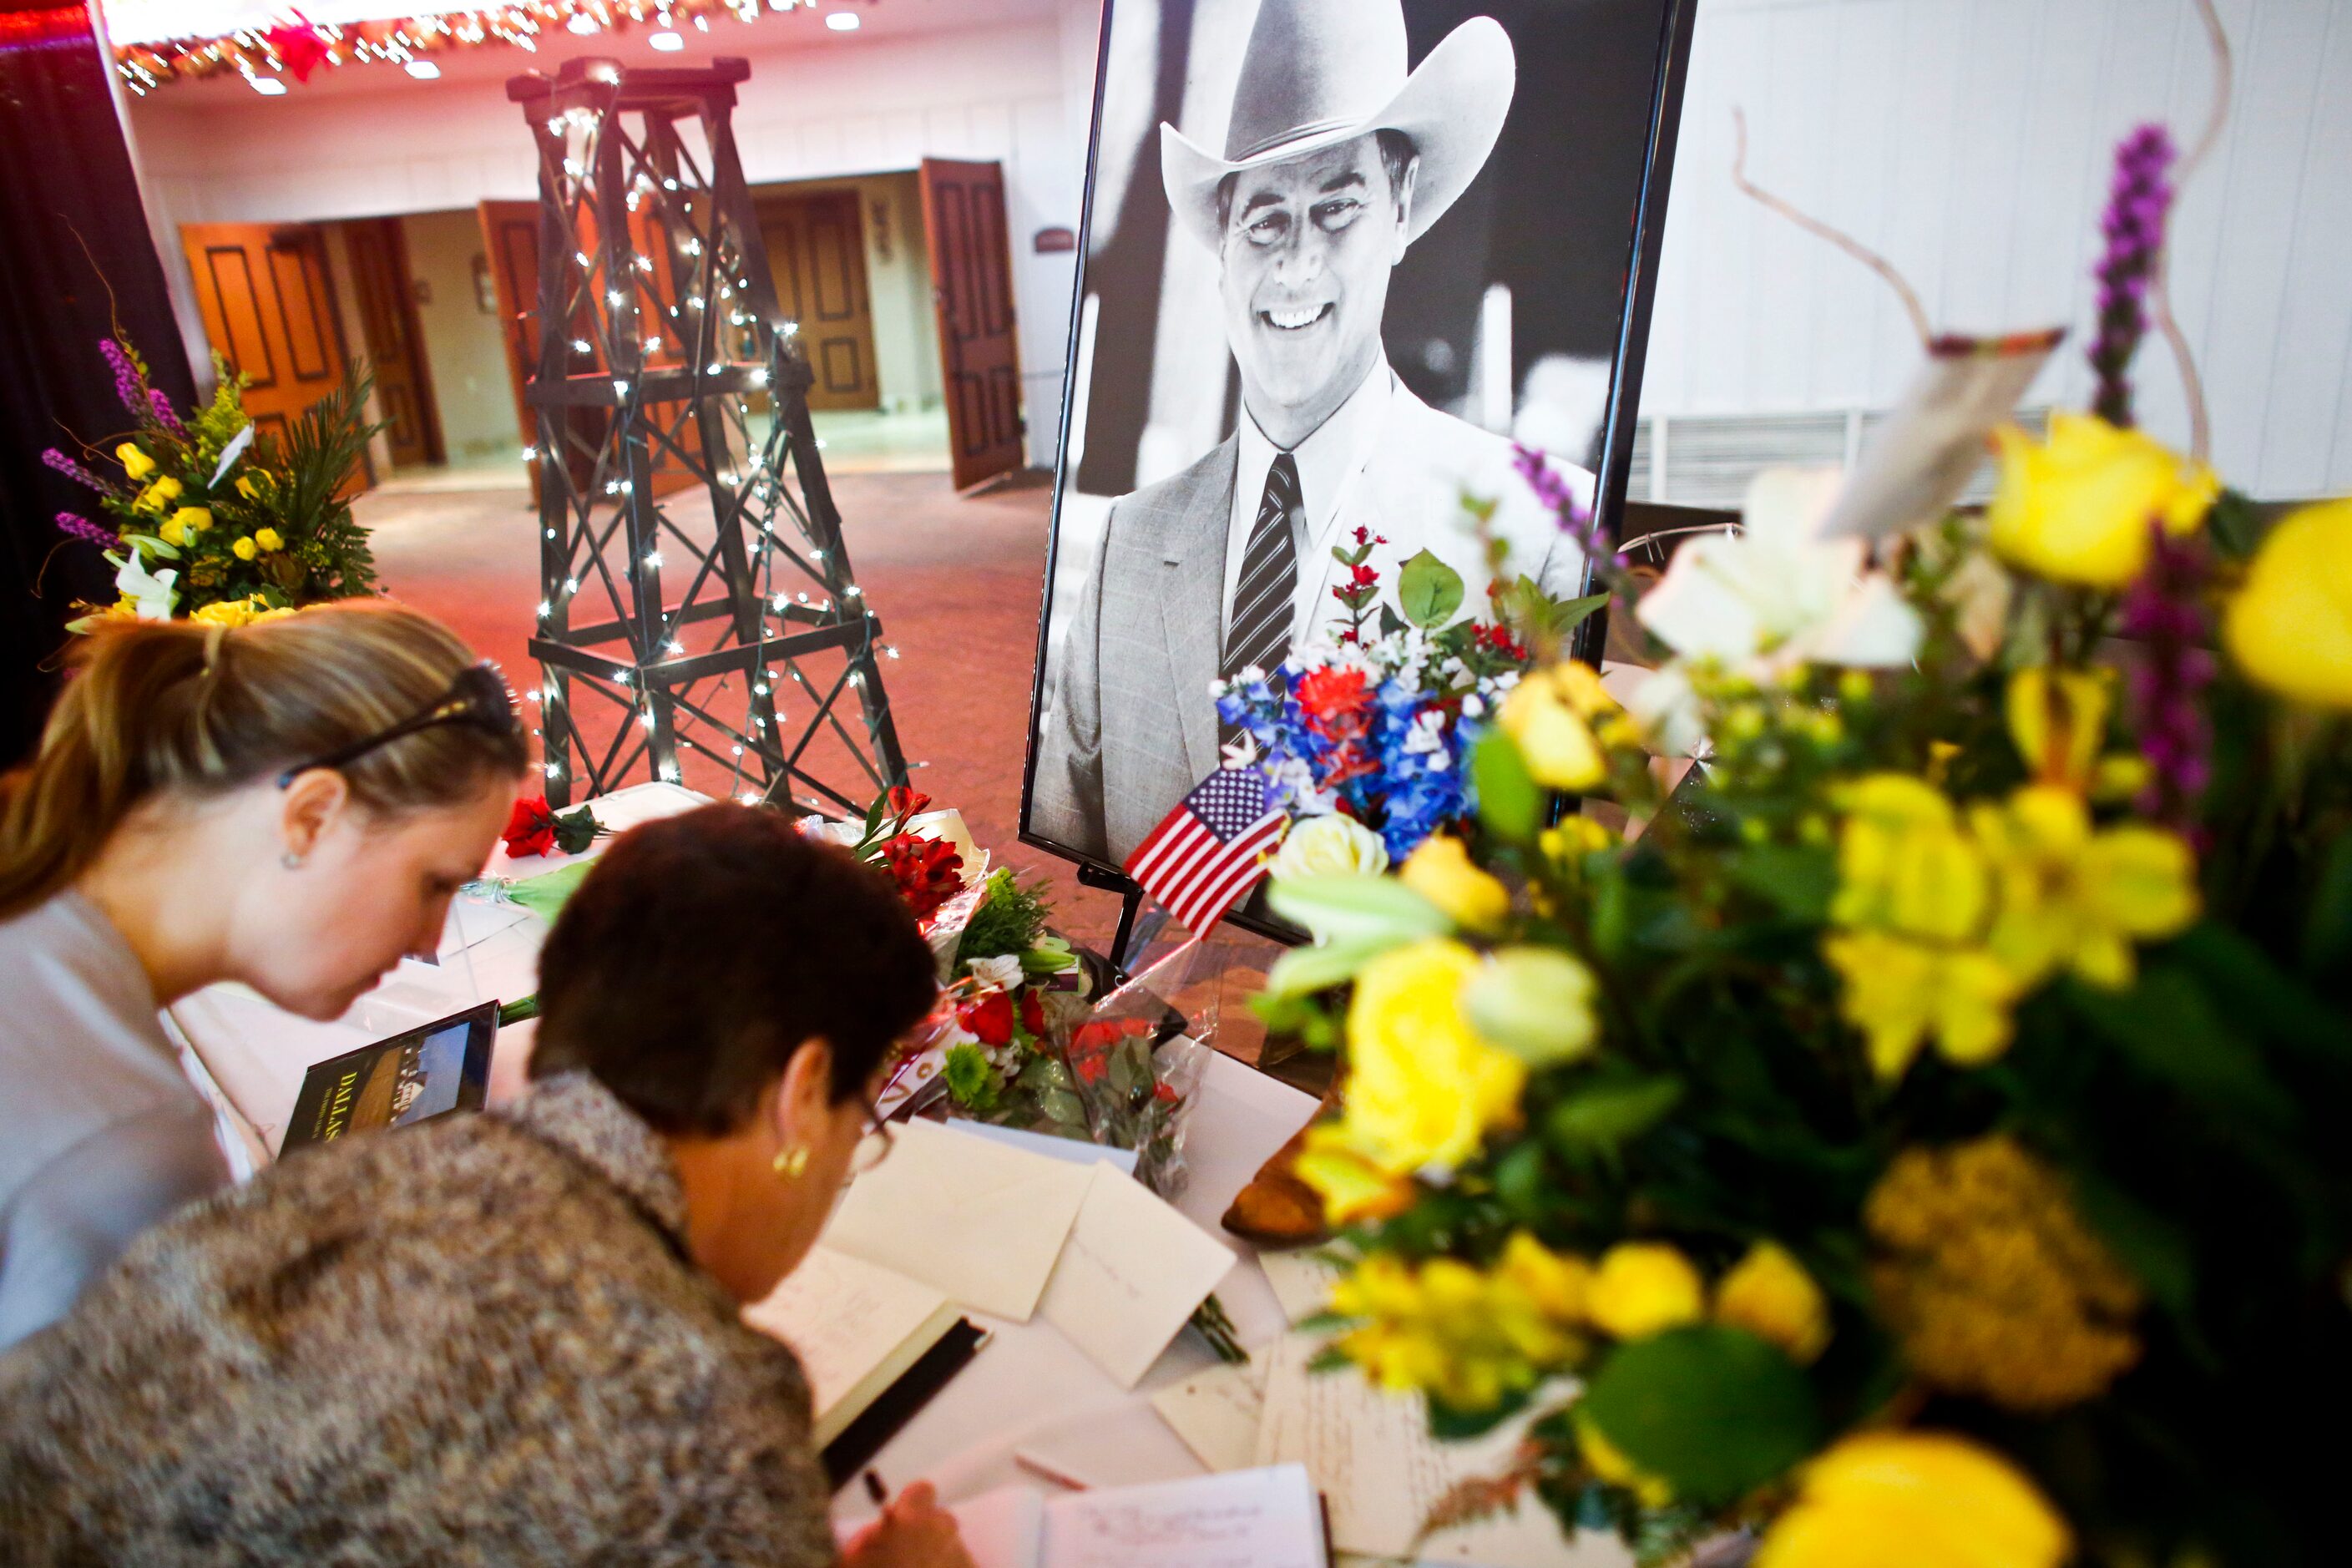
column 477, row 698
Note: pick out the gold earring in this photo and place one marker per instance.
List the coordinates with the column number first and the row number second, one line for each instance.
column 792, row 1162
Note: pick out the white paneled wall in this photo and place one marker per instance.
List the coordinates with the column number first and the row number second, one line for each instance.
column 1001, row 93
column 1970, row 141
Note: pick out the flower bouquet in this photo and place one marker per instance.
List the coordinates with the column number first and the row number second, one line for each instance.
column 1361, row 734
column 210, row 521
column 1921, row 1139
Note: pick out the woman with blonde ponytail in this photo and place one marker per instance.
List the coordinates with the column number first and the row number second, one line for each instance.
column 291, row 804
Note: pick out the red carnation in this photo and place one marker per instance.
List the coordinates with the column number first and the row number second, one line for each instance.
column 928, row 872
column 1032, row 1014
column 1331, row 689
column 990, row 1017
column 301, row 45
column 530, row 827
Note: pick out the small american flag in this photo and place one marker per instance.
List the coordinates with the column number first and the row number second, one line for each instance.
column 1211, row 849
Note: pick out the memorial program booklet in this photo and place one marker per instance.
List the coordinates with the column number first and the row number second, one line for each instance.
column 434, row 1071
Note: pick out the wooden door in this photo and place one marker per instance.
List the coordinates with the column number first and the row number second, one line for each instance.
column 511, row 234
column 269, row 310
column 816, row 249
column 386, row 296
column 971, row 286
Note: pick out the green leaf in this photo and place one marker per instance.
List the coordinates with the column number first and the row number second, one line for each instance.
column 1567, row 614
column 2156, row 1251
column 1303, row 971
column 1064, row 1107
column 1796, row 880
column 1716, row 1412
column 2247, row 985
column 515, row 1011
column 546, row 894
column 1044, row 1073
column 1342, row 907
column 1429, row 591
column 1448, row 1424
column 1390, row 622
column 2327, row 927
column 1605, row 1117
column 2167, row 1026
column 1510, row 802
column 152, row 545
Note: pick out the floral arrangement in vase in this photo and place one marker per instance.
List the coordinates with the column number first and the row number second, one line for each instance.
column 207, row 519
column 1362, row 733
column 1919, row 1135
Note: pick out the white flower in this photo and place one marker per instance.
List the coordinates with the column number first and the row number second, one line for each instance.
column 153, row 592
column 1330, row 845
column 1775, row 595
column 1002, row 972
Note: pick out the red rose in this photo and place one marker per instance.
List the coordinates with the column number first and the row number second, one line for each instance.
column 1032, row 1013
column 990, row 1017
column 530, row 827
column 929, row 873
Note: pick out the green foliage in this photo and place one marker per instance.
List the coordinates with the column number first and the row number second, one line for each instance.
column 1510, row 803
column 972, row 1082
column 1010, row 918
column 1713, row 1412
column 1428, row 591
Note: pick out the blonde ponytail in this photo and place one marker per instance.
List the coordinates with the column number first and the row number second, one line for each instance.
column 158, row 708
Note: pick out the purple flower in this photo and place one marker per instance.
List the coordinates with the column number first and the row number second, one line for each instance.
column 126, row 375
column 2164, row 613
column 74, row 527
column 2134, row 227
column 1552, row 491
column 163, row 415
column 72, row 469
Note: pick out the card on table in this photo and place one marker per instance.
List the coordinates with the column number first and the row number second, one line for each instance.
column 979, row 1222
column 1131, row 1271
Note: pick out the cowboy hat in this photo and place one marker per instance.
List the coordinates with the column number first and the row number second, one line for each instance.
column 1320, row 72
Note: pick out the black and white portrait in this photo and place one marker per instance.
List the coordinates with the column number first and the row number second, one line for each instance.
column 1340, row 256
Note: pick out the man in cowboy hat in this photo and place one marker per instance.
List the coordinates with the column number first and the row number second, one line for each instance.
column 1336, row 161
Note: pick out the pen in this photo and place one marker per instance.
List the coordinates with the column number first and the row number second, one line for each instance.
column 875, row 1490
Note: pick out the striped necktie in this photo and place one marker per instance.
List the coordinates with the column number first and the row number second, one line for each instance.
column 1258, row 632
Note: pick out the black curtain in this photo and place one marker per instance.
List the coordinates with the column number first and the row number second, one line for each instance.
column 71, row 232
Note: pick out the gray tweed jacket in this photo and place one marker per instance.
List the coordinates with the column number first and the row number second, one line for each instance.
column 479, row 1342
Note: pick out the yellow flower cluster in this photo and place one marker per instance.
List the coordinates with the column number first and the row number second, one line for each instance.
column 1991, row 1283
column 1943, row 926
column 183, row 526
column 1924, row 1499
column 2084, row 507
column 1468, row 1339
column 235, row 612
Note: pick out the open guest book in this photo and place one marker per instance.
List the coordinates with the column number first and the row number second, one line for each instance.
column 875, row 1345
column 1251, row 1518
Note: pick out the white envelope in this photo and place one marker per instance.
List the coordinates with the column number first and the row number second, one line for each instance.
column 1131, row 1272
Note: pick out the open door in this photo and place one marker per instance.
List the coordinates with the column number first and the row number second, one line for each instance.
column 386, row 296
column 511, row 235
column 816, row 249
column 972, row 288
column 269, row 311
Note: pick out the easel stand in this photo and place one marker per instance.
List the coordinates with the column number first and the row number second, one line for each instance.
column 657, row 329
column 1130, row 906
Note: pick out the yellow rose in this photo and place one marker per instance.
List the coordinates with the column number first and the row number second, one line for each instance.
column 1351, row 1187
column 1904, row 863
column 1440, row 870
column 1770, row 1294
column 1422, row 1088
column 2080, row 508
column 1643, row 1287
column 2074, row 898
column 268, row 539
column 1330, row 845
column 172, row 533
column 1548, row 713
column 2290, row 627
column 1920, row 1499
column 192, row 520
column 230, row 613
column 159, row 494
column 2057, row 718
column 245, row 550
column 136, row 464
column 1558, row 1284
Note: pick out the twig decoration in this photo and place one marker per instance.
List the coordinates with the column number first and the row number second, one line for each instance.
column 2200, row 429
column 1838, row 237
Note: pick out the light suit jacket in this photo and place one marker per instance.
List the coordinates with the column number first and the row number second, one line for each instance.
column 1130, row 725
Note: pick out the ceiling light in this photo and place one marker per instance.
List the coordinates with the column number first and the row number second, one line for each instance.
column 422, row 70
column 268, row 86
column 667, row 43
column 581, row 23
column 842, row 21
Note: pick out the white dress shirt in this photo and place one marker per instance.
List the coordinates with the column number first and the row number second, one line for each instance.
column 1330, row 462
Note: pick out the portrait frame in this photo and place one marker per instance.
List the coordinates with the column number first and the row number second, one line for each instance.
column 1664, row 30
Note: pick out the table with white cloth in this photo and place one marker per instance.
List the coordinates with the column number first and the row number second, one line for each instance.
column 1026, row 1389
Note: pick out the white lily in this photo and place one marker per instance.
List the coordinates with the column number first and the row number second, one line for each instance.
column 231, row 453
column 152, row 594
column 1002, row 971
column 1776, row 594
